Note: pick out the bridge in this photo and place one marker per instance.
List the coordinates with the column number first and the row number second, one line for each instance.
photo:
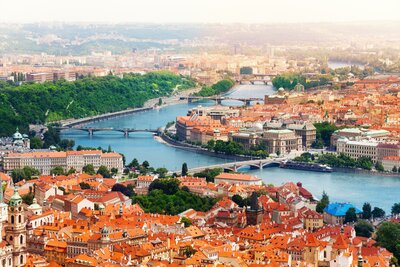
column 126, row 131
column 219, row 99
column 235, row 166
column 254, row 78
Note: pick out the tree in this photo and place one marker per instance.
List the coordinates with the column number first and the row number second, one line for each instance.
column 126, row 190
column 134, row 163
column 160, row 101
column 146, row 164
column 184, row 169
column 209, row 174
column 36, row 143
column 71, row 171
column 114, row 171
column 238, row 200
column 350, row 216
column 89, row 169
column 364, row 228
column 162, row 172
column 210, row 144
column 323, row 203
column 366, row 211
column 103, row 171
column 186, row 222
column 67, row 144
column 109, row 149
column 84, row 185
column 378, row 212
column 167, row 186
column 379, row 167
column 25, row 173
column 57, row 171
column 388, row 236
column 396, row 208
column 394, row 169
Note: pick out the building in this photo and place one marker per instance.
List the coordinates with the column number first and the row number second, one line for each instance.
column 13, row 249
column 312, row 220
column 357, row 149
column 254, row 213
column 45, row 161
column 282, row 141
column 390, row 163
column 237, row 178
column 335, row 213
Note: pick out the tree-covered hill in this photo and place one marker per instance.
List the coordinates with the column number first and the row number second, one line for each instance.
column 52, row 101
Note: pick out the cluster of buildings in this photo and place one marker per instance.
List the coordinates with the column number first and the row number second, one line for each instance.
column 366, row 113
column 44, row 162
column 100, row 227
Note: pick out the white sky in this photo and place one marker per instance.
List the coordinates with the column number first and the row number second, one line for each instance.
column 198, row 11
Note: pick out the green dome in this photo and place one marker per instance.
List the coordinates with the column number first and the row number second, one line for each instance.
column 17, row 135
column 16, row 199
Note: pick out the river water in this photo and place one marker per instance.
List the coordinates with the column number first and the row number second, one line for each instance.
column 355, row 188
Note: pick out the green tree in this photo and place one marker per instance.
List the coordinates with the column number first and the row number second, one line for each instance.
column 84, row 185
column 210, row 144
column 184, row 171
column 109, row 149
column 209, row 174
column 379, row 167
column 350, row 216
column 394, row 169
column 134, row 163
column 167, row 186
column 89, row 169
column 160, row 102
column 364, row 228
column 396, row 208
column 187, row 222
column 36, row 143
column 367, row 213
column 67, row 144
column 103, row 171
column 162, row 172
column 238, row 200
column 388, row 236
column 378, row 212
column 71, row 171
column 146, row 164
column 323, row 203
column 57, row 171
column 114, row 171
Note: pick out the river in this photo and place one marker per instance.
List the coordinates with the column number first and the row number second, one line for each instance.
column 355, row 188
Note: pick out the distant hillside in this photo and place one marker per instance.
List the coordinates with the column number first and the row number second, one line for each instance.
column 39, row 103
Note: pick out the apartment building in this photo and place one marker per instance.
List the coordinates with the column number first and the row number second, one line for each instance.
column 45, row 161
column 356, row 149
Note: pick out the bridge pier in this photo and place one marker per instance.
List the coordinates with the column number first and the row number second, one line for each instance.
column 126, row 133
column 189, row 100
column 248, row 102
column 90, row 131
column 219, row 101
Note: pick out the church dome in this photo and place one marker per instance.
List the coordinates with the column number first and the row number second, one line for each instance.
column 104, row 230
column 34, row 205
column 17, row 135
column 16, row 199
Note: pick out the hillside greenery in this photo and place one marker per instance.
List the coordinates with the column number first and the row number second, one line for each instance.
column 53, row 101
column 220, row 87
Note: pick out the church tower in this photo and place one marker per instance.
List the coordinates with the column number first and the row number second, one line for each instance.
column 16, row 229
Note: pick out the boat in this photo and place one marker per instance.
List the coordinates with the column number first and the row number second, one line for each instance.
column 305, row 166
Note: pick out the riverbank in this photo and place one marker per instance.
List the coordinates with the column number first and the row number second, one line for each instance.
column 148, row 105
column 360, row 171
column 196, row 149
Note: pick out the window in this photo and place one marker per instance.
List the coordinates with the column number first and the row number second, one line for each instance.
column 12, row 218
column 21, row 239
column 21, row 259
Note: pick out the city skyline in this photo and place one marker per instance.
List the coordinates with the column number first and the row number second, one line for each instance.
column 207, row 11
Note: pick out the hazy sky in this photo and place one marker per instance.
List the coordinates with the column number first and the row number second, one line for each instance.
column 203, row 11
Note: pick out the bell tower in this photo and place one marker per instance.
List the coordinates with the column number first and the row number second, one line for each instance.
column 16, row 229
